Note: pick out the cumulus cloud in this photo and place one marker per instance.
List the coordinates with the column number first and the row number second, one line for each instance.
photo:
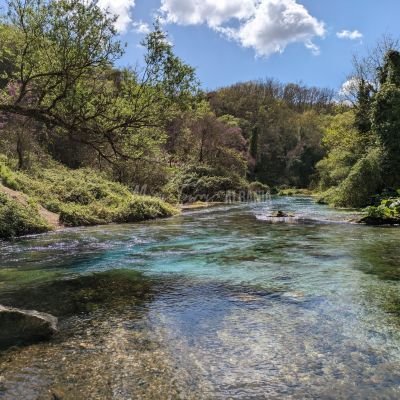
column 212, row 12
column 349, row 90
column 276, row 24
column 141, row 27
column 120, row 8
column 267, row 26
column 349, row 87
column 351, row 35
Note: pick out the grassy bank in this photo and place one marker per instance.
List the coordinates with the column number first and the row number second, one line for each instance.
column 80, row 197
column 17, row 219
column 295, row 192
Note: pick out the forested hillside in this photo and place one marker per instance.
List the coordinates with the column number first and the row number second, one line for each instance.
column 283, row 126
column 65, row 106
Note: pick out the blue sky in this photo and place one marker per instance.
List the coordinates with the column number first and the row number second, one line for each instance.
column 238, row 40
column 221, row 60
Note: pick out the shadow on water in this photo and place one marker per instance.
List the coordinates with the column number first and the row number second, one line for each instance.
column 378, row 256
column 86, row 293
column 381, row 256
column 105, row 348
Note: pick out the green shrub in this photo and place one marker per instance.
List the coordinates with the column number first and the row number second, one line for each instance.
column 79, row 196
column 376, row 212
column 388, row 212
column 328, row 196
column 363, row 181
column 17, row 219
column 388, row 209
column 259, row 187
column 7, row 177
column 139, row 208
column 204, row 183
column 142, row 208
column 77, row 215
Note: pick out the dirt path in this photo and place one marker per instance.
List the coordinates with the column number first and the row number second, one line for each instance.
column 52, row 219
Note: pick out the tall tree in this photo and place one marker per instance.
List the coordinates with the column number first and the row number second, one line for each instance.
column 363, row 107
column 64, row 78
column 253, row 146
column 386, row 117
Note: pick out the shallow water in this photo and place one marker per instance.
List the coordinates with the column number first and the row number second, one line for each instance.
column 216, row 304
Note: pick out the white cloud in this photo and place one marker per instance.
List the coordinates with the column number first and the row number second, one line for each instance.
column 141, row 27
column 312, row 47
column 267, row 26
column 276, row 24
column 351, row 35
column 349, row 87
column 122, row 9
column 212, row 12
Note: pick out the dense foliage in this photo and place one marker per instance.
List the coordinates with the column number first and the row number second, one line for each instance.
column 283, row 125
column 65, row 105
column 363, row 143
column 385, row 116
column 62, row 96
column 388, row 211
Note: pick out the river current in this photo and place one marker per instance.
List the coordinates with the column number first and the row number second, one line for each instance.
column 219, row 303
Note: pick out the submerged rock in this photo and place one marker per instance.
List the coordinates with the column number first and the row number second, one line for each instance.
column 20, row 326
column 281, row 214
column 279, row 217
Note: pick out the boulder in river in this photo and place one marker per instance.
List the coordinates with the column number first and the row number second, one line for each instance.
column 281, row 214
column 21, row 326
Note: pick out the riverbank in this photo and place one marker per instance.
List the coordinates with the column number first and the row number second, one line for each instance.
column 51, row 197
column 383, row 209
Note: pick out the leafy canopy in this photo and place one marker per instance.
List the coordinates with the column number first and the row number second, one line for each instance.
column 60, row 72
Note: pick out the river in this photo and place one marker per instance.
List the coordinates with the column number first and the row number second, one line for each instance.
column 218, row 303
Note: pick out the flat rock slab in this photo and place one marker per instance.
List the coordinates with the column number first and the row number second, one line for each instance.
column 19, row 326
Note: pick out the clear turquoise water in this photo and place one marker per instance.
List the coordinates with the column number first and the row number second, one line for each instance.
column 239, row 307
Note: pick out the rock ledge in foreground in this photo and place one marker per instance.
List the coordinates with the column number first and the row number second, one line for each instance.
column 21, row 326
